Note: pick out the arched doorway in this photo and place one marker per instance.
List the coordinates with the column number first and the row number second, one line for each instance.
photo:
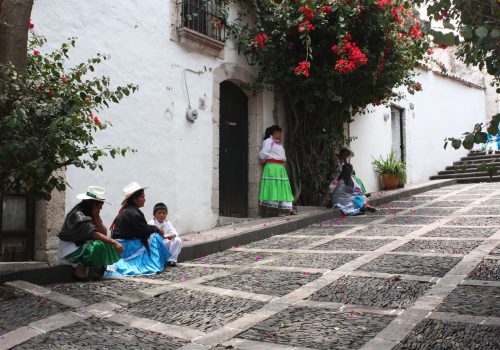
column 233, row 151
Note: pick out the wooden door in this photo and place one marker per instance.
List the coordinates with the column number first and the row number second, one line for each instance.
column 233, row 152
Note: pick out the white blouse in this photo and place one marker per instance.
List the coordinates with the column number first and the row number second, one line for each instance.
column 272, row 149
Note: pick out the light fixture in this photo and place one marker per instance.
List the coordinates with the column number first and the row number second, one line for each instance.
column 250, row 55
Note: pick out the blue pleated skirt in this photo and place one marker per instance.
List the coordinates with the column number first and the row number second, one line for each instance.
column 136, row 260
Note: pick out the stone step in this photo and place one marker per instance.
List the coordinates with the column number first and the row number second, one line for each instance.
column 481, row 157
column 458, row 175
column 470, row 180
column 480, row 153
column 472, row 167
column 476, row 161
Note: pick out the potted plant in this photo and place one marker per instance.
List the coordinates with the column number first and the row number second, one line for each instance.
column 391, row 170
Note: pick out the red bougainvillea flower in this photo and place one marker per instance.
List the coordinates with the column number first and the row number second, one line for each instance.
column 430, row 50
column 327, row 9
column 345, row 66
column 307, row 12
column 96, row 120
column 302, row 69
column 36, row 52
column 415, row 32
column 442, row 46
column 381, row 4
column 30, row 24
column 51, row 92
column 260, row 40
column 40, row 87
column 306, row 26
column 64, row 80
column 397, row 13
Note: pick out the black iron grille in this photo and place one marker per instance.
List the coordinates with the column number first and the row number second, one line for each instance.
column 202, row 16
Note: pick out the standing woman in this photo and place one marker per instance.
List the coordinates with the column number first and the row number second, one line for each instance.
column 275, row 190
column 145, row 253
column 83, row 240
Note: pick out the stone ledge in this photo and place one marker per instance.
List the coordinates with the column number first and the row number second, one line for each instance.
column 200, row 42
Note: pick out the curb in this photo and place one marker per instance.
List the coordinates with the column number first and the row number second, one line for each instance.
column 64, row 273
column 198, row 250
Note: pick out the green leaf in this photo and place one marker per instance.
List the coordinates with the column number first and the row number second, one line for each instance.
column 449, row 39
column 456, row 143
column 448, row 25
column 480, row 137
column 466, row 32
column 482, row 32
column 495, row 33
column 468, row 142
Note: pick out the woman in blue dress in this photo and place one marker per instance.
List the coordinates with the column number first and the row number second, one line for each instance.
column 145, row 253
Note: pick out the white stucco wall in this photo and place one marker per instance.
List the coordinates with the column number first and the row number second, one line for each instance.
column 174, row 157
column 445, row 108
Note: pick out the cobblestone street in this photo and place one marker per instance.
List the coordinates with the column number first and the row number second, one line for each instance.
column 422, row 273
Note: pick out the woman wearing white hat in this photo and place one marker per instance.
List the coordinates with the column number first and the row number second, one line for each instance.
column 144, row 252
column 83, row 241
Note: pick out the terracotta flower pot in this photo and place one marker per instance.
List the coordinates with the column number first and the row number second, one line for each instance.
column 390, row 181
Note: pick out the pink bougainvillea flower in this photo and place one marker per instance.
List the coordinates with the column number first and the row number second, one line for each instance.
column 30, row 24
column 454, row 251
column 64, row 80
column 258, row 257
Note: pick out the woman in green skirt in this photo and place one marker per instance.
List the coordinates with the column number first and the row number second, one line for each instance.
column 275, row 190
column 83, row 240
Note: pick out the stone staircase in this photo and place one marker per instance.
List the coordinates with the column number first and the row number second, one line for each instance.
column 465, row 170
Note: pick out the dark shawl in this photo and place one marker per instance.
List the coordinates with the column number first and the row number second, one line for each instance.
column 131, row 224
column 77, row 227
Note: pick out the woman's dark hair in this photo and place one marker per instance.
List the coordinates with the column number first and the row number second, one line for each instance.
column 346, row 175
column 270, row 130
column 86, row 206
column 135, row 195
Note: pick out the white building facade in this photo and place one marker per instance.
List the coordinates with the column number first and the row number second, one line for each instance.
column 180, row 69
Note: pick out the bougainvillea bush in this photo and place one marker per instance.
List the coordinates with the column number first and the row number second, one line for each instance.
column 49, row 117
column 328, row 60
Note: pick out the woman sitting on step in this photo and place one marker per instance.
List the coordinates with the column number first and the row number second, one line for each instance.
column 145, row 253
column 347, row 195
column 83, row 242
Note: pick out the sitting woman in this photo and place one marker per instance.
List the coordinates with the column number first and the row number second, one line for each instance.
column 83, row 242
column 145, row 253
column 347, row 195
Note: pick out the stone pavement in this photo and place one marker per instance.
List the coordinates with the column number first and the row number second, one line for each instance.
column 422, row 273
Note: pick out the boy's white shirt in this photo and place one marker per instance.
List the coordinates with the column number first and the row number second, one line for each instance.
column 166, row 226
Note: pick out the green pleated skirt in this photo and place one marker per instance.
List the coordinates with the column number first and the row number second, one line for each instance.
column 275, row 189
column 93, row 254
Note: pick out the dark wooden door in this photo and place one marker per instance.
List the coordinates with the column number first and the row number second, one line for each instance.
column 16, row 227
column 233, row 152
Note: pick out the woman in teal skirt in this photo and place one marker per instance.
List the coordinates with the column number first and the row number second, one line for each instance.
column 275, row 190
column 83, row 240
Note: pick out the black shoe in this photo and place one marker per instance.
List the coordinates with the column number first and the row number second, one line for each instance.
column 171, row 264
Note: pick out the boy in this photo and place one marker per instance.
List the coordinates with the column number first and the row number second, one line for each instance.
column 170, row 237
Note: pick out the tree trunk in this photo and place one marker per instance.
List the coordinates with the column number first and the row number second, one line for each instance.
column 14, row 18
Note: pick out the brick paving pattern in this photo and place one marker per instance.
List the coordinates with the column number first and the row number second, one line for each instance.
column 421, row 273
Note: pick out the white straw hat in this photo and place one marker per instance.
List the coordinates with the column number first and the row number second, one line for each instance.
column 93, row 192
column 130, row 189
